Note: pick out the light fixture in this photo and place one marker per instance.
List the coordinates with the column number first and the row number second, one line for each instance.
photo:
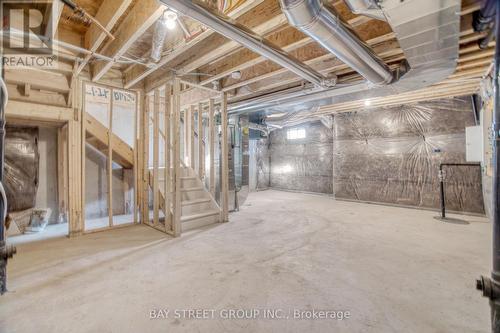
column 368, row 102
column 170, row 18
column 236, row 75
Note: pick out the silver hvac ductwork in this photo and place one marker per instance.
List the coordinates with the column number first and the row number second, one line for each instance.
column 428, row 33
column 366, row 8
column 318, row 22
column 240, row 34
column 286, row 119
column 159, row 36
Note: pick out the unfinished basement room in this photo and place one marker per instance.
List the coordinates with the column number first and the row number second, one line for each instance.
column 250, row 166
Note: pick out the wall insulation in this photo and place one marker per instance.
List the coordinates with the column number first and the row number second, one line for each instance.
column 302, row 164
column 392, row 155
column 259, row 164
column 21, row 167
column 389, row 155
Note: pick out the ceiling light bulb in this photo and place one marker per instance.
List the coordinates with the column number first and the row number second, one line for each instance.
column 236, row 75
column 170, row 18
column 170, row 24
column 368, row 102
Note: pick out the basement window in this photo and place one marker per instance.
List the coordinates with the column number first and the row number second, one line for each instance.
column 296, row 133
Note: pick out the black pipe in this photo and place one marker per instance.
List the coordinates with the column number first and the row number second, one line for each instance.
column 442, row 177
column 496, row 153
column 3, row 247
column 491, row 286
column 476, row 102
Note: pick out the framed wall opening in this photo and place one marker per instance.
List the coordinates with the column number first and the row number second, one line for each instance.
column 109, row 168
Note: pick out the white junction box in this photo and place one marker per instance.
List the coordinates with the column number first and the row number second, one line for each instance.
column 474, row 143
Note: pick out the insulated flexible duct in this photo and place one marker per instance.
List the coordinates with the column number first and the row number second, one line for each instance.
column 159, row 36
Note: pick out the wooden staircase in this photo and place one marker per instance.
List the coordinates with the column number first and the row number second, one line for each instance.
column 198, row 208
column 97, row 135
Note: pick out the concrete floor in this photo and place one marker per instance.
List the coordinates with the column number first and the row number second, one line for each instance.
column 62, row 229
column 393, row 269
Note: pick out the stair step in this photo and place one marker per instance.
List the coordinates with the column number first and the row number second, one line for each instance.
column 200, row 215
column 192, row 189
column 188, row 178
column 195, row 201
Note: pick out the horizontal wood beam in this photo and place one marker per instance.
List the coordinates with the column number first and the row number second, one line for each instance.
column 37, row 112
column 264, row 18
column 142, row 16
column 108, row 15
column 289, row 39
column 16, row 93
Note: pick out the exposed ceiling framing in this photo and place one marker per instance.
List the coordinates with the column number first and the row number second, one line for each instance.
column 207, row 58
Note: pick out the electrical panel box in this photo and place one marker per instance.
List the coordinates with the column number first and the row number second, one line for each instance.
column 474, row 144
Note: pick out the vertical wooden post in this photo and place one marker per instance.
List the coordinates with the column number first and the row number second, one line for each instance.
column 110, row 160
column 136, row 166
column 191, row 138
column 176, row 109
column 73, row 140
column 225, row 160
column 201, row 157
column 80, row 187
column 75, row 187
column 140, row 154
column 145, row 181
column 167, row 181
column 156, row 155
column 187, row 136
column 62, row 170
column 211, row 144
column 83, row 152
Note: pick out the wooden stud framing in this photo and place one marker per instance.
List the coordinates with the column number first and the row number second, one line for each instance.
column 225, row 161
column 84, row 151
column 110, row 161
column 211, row 144
column 75, row 177
column 137, row 167
column 62, row 169
column 185, row 115
column 167, row 181
column 177, row 159
column 156, row 155
column 191, row 137
column 201, row 157
column 145, row 142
